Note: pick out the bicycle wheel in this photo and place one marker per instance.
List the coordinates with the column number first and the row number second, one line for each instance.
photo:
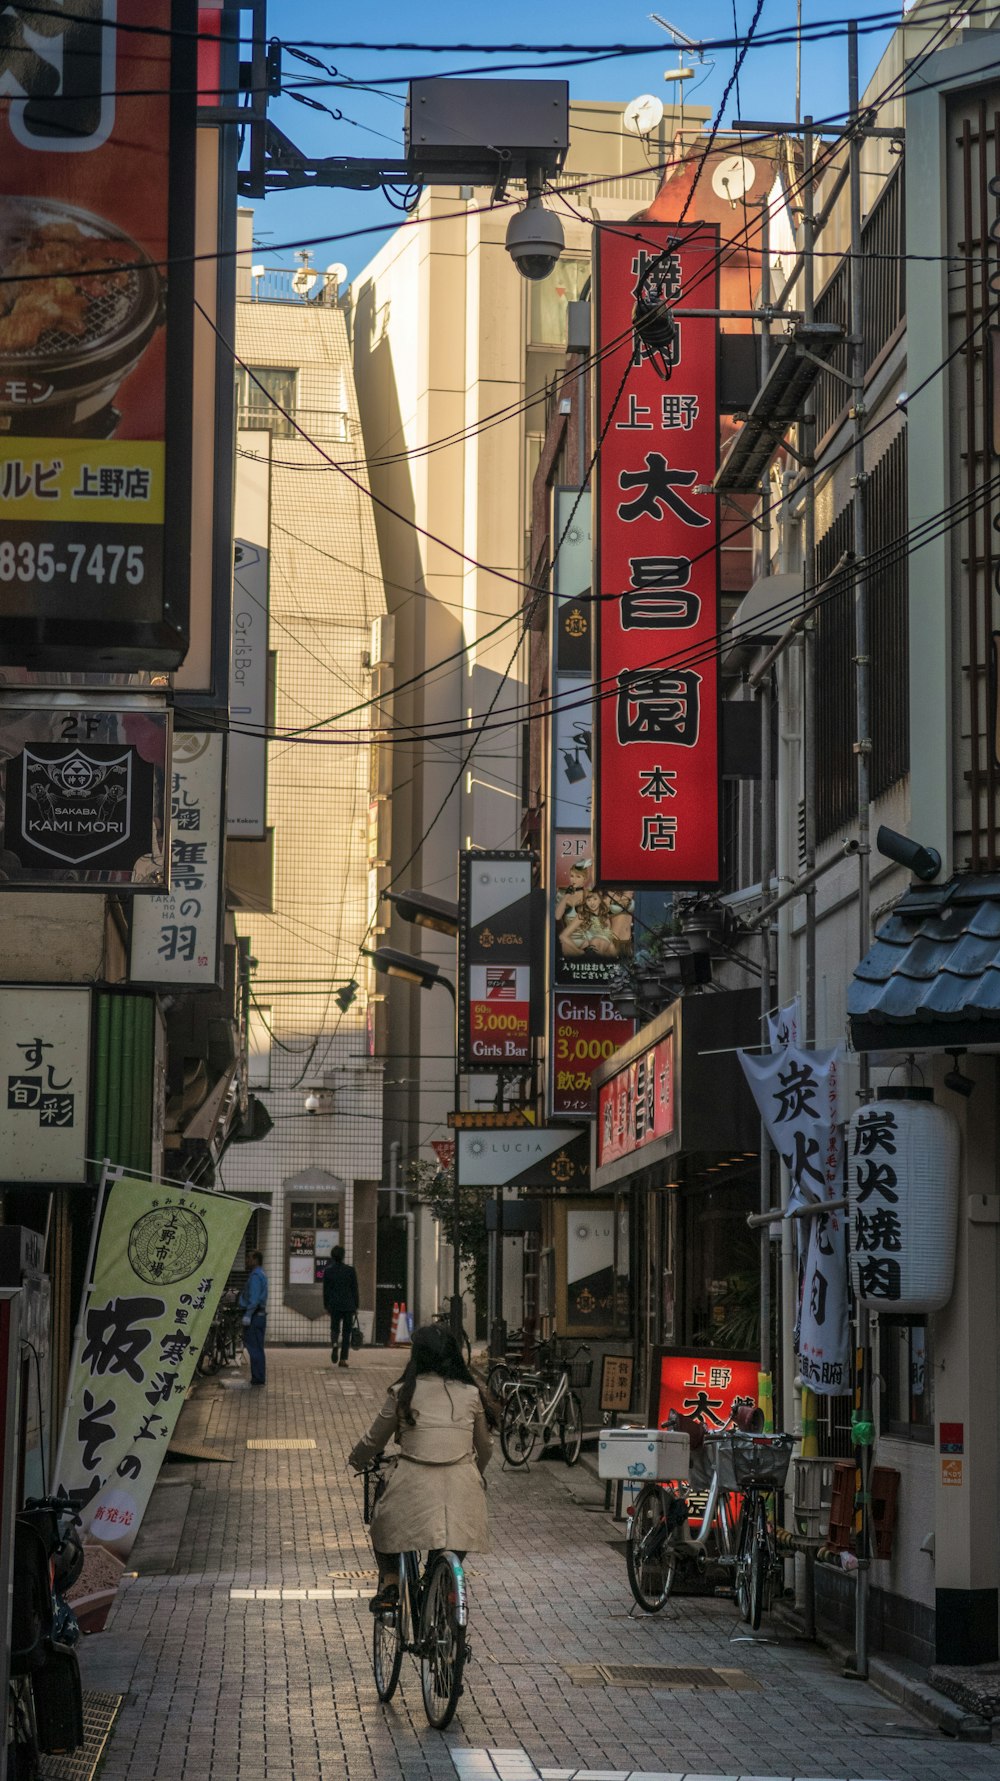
column 650, row 1555
column 517, row 1433
column 388, row 1642
column 760, row 1563
column 571, row 1429
column 442, row 1640
column 498, row 1378
column 741, row 1575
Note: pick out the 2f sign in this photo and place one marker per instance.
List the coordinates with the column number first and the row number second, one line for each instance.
column 58, row 71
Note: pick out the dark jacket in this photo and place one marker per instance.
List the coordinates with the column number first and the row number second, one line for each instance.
column 340, row 1289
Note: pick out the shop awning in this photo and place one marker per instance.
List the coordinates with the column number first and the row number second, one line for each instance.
column 932, row 976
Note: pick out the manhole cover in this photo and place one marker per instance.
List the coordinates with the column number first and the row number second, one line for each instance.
column 279, row 1446
column 662, row 1676
column 99, row 1714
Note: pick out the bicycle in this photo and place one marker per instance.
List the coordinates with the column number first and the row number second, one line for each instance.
column 735, row 1461
column 428, row 1620
column 542, row 1403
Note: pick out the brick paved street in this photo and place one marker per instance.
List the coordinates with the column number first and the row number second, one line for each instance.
column 231, row 1667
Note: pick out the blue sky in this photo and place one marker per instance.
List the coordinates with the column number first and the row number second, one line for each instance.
column 767, row 83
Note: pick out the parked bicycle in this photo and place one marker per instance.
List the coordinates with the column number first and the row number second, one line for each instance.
column 544, row 1406
column 738, row 1468
column 225, row 1335
column 45, row 1702
column 428, row 1620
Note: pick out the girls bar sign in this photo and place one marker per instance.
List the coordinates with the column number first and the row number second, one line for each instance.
column 656, row 808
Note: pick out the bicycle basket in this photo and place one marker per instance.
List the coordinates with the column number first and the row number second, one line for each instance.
column 760, row 1460
column 580, row 1373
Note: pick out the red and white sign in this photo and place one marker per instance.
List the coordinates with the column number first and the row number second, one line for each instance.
column 637, row 1105
column 500, row 1011
column 656, row 805
column 587, row 1029
column 708, row 1386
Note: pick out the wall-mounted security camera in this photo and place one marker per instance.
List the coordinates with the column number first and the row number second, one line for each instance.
column 923, row 862
column 535, row 238
column 956, row 1079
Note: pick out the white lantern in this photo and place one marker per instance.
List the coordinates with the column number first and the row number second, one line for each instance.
column 902, row 1183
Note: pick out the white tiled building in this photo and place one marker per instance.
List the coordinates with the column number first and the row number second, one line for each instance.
column 318, row 1172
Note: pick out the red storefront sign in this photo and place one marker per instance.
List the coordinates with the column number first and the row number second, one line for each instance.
column 708, row 1385
column 637, row 1105
column 656, row 805
column 586, row 1030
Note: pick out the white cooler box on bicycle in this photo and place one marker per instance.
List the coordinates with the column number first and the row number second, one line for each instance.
column 637, row 1455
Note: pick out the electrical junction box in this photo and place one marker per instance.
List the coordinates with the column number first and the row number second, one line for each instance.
column 487, row 129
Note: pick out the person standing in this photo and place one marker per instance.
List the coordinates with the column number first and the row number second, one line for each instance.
column 253, row 1304
column 340, row 1299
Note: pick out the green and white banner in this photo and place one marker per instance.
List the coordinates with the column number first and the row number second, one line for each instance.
column 163, row 1258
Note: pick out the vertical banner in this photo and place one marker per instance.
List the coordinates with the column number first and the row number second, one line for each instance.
column 496, row 959
column 176, row 938
column 656, row 820
column 97, row 135
column 246, row 771
column 163, row 1258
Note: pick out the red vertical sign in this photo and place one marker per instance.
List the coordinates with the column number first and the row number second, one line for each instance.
column 656, row 805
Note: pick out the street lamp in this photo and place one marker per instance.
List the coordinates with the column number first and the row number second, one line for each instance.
column 426, row 911
column 427, row 976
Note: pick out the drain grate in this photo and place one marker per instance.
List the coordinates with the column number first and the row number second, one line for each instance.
column 99, row 1714
column 279, row 1446
column 661, row 1676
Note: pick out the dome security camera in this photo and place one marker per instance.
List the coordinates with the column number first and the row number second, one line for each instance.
column 535, row 239
column 312, row 1102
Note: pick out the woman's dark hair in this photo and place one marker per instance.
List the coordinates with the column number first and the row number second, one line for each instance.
column 435, row 1350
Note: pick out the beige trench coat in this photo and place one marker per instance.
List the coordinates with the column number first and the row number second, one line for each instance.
column 436, row 1497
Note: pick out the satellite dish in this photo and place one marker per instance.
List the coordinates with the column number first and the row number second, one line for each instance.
column 303, row 281
column 336, row 274
column 643, row 115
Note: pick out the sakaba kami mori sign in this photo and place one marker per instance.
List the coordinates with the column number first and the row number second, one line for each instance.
column 163, row 1258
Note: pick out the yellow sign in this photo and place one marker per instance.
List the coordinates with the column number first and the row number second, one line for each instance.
column 78, row 481
column 464, row 1121
column 163, row 1258
column 951, row 1471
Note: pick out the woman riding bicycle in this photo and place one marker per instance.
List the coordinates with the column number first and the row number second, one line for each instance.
column 435, row 1499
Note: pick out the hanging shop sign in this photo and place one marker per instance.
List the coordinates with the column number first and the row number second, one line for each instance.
column 592, row 928
column 97, row 132
column 176, row 938
column 497, row 942
column 902, row 1182
column 590, row 1254
column 707, row 1386
column 82, row 798
column 44, row 1084
column 246, row 770
column 637, row 1104
column 163, row 1258
column 535, row 1156
column 798, row 1095
column 656, row 820
column 587, row 1029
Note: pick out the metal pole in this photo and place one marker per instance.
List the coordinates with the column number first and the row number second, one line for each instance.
column 863, row 747
column 809, row 632
column 456, row 1214
column 85, row 1291
column 766, row 822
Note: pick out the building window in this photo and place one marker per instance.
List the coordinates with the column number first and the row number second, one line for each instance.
column 836, row 720
column 259, row 1048
column 256, row 406
column 550, row 298
column 907, row 1378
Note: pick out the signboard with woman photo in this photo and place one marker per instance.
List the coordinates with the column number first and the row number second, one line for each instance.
column 593, row 928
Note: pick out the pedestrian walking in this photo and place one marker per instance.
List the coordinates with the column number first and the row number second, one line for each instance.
column 253, row 1304
column 340, row 1299
column 435, row 1499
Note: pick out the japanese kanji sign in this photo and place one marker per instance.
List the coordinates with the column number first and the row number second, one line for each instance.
column 175, row 938
column 97, row 135
column 163, row 1258
column 638, row 1104
column 587, row 1029
column 708, row 1386
column 82, row 796
column 656, row 818
column 798, row 1093
column 902, row 1182
column 44, row 1084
